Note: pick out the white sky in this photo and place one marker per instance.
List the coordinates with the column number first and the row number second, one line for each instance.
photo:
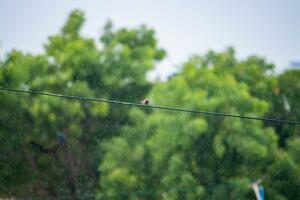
column 269, row 28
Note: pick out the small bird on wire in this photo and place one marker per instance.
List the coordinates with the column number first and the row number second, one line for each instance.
column 145, row 101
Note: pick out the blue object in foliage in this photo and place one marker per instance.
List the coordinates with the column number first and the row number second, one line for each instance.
column 262, row 192
column 61, row 138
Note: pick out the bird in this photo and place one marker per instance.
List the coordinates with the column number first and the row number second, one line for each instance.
column 145, row 101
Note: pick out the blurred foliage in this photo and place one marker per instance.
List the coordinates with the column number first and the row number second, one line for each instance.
column 215, row 157
column 50, row 146
column 61, row 149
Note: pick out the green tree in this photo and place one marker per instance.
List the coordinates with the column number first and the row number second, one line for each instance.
column 285, row 104
column 50, row 145
column 255, row 71
column 284, row 174
column 184, row 156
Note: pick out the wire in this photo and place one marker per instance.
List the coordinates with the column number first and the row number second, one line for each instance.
column 80, row 98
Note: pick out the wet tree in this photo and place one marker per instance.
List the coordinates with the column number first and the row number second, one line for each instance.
column 168, row 155
column 49, row 146
column 61, row 149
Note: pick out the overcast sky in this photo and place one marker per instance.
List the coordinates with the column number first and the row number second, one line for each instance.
column 269, row 28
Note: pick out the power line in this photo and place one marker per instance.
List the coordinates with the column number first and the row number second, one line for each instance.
column 80, row 98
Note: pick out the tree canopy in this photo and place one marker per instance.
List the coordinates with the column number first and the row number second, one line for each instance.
column 64, row 149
